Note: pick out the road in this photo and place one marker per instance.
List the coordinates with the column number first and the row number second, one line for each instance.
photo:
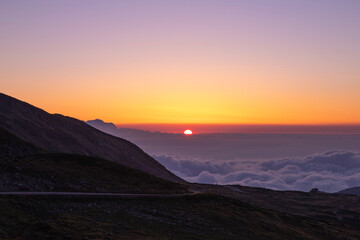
column 90, row 194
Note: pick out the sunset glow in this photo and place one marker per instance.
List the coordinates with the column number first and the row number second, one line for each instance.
column 246, row 62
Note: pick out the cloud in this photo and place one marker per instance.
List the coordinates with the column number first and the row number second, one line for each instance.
column 328, row 171
column 206, row 177
column 193, row 167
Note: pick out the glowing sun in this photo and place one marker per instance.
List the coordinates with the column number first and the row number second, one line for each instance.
column 188, row 132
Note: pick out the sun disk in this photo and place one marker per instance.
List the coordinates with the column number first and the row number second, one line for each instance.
column 188, row 132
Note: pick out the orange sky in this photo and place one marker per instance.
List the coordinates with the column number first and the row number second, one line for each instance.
column 184, row 62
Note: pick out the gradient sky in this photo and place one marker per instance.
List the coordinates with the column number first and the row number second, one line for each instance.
column 198, row 61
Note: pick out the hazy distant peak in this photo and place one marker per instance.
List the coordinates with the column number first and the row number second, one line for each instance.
column 98, row 123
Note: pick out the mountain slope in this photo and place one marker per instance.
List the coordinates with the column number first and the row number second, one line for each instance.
column 11, row 146
column 61, row 172
column 57, row 133
column 351, row 191
column 25, row 167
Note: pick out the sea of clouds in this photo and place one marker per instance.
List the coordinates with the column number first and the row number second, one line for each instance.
column 329, row 162
column 329, row 171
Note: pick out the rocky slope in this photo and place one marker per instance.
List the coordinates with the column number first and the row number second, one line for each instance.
column 25, row 167
column 57, row 133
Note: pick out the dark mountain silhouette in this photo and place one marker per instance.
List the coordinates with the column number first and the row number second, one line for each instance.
column 12, row 147
column 25, row 167
column 351, row 191
column 58, row 133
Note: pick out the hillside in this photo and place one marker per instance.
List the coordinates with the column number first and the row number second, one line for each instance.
column 57, row 133
column 12, row 146
column 68, row 172
column 25, row 167
column 351, row 191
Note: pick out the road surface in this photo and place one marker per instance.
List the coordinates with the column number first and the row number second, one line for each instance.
column 90, row 194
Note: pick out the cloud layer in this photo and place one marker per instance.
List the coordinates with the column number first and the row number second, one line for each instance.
column 330, row 171
column 234, row 158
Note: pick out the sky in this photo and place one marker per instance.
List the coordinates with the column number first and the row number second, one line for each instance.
column 181, row 62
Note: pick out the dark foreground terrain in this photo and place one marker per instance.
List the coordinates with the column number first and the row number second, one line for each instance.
column 26, row 167
column 66, row 172
column 201, row 216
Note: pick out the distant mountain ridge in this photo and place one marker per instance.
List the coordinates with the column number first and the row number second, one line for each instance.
column 105, row 126
column 57, row 133
column 112, row 129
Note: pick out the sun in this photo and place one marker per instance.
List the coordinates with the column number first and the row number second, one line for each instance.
column 188, row 132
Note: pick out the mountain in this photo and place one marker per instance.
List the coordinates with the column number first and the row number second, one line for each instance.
column 351, row 191
column 128, row 133
column 58, row 133
column 25, row 167
column 101, row 125
column 12, row 147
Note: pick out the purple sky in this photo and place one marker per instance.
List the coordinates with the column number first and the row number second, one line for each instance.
column 250, row 61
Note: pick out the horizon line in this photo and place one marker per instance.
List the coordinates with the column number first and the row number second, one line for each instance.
column 249, row 128
column 246, row 124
